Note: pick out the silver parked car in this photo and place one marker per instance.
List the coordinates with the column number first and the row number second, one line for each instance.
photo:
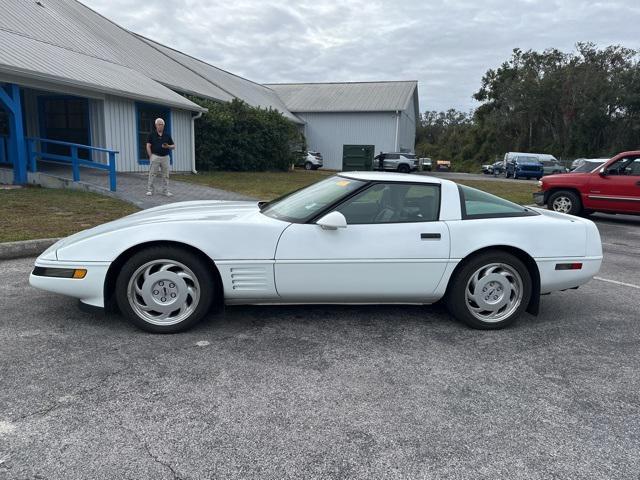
column 552, row 167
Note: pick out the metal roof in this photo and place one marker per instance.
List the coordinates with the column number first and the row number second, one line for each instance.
column 36, row 60
column 95, row 51
column 71, row 26
column 253, row 93
column 346, row 97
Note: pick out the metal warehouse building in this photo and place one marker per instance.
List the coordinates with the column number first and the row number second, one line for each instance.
column 342, row 117
column 78, row 89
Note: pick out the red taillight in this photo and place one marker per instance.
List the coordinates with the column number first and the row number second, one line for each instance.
column 568, row 266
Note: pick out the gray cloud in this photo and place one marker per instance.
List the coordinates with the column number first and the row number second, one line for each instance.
column 446, row 45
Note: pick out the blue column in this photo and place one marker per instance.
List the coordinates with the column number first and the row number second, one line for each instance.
column 10, row 98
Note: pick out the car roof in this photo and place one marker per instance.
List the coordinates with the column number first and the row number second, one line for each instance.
column 392, row 177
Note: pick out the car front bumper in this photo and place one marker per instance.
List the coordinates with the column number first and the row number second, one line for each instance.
column 90, row 289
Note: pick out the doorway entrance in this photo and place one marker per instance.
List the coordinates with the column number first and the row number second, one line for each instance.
column 357, row 157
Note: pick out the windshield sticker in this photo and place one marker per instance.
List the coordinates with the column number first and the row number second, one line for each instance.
column 343, row 183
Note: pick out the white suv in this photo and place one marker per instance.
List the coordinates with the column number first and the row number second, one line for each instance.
column 396, row 161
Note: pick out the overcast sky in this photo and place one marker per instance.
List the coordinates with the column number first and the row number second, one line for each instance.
column 446, row 46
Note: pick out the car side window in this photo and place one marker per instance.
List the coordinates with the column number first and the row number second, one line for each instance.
column 477, row 204
column 392, row 156
column 393, row 203
column 625, row 166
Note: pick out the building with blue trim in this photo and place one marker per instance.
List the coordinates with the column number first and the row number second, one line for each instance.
column 79, row 89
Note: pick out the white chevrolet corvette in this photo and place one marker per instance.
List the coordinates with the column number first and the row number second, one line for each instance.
column 366, row 237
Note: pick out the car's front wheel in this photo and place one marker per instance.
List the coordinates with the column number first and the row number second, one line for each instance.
column 490, row 291
column 308, row 166
column 164, row 289
column 565, row 201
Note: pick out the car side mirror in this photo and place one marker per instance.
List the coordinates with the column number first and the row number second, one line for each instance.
column 333, row 221
column 603, row 172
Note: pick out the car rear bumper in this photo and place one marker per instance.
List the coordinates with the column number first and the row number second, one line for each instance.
column 552, row 279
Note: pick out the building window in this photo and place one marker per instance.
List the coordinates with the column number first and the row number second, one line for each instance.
column 65, row 119
column 146, row 117
column 4, row 123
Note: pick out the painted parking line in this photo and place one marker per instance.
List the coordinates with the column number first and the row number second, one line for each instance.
column 615, row 282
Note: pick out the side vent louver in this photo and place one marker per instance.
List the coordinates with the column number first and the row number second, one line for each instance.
column 249, row 279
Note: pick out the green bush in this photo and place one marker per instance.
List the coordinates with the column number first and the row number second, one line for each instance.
column 235, row 136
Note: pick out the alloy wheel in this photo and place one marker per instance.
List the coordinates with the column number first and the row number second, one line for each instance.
column 494, row 292
column 562, row 204
column 163, row 292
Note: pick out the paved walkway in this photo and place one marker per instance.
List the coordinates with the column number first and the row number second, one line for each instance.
column 132, row 187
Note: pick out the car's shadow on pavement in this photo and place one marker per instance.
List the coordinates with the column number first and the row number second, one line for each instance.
column 630, row 220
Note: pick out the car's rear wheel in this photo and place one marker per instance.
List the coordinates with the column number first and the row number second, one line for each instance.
column 404, row 168
column 565, row 201
column 490, row 291
column 164, row 289
column 308, row 166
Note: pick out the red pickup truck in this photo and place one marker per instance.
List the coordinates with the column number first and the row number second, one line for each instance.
column 612, row 188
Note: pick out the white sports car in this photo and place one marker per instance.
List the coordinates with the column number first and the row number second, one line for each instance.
column 365, row 237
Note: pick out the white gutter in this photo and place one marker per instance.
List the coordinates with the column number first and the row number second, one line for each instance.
column 397, row 128
column 193, row 141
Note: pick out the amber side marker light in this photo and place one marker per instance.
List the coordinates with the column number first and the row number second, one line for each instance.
column 77, row 273
column 568, row 266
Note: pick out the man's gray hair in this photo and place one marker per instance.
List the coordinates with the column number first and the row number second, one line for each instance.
column 159, row 120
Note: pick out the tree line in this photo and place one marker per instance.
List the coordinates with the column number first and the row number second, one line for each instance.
column 580, row 104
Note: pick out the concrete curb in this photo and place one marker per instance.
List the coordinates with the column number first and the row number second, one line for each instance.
column 27, row 248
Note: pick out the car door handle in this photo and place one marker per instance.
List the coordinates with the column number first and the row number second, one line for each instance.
column 430, row 236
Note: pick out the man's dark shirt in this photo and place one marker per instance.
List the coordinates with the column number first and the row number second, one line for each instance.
column 156, row 142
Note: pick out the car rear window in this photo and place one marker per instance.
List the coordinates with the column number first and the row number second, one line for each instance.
column 478, row 204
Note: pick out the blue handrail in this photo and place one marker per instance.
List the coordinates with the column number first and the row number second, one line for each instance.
column 76, row 162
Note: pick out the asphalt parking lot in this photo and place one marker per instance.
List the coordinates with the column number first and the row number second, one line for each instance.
column 327, row 391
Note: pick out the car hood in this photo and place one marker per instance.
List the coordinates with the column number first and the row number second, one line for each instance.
column 565, row 177
column 210, row 211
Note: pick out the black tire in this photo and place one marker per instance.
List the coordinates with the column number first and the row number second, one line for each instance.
column 565, row 201
column 460, row 307
column 204, row 284
column 308, row 166
column 404, row 168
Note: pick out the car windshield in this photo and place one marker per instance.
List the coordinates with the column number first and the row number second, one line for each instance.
column 302, row 205
column 586, row 167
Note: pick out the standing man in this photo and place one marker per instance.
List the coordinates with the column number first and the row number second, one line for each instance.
column 159, row 144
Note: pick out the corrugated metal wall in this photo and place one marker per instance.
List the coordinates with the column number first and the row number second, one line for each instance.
column 407, row 129
column 181, row 134
column 96, row 122
column 328, row 132
column 120, row 133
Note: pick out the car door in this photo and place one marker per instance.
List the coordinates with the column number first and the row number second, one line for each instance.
column 618, row 189
column 394, row 248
